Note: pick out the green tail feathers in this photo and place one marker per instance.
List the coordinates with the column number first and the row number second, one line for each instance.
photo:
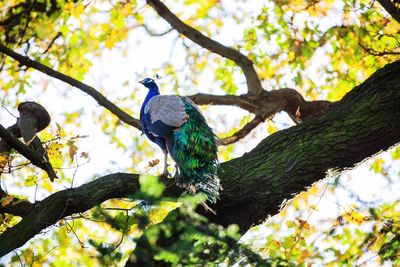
column 194, row 149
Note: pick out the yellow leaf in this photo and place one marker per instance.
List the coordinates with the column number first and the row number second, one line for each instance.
column 271, row 128
column 313, row 190
column 377, row 166
column 3, row 160
column 291, row 55
column 31, row 180
column 72, row 151
column 7, row 200
column 47, row 185
column 353, row 217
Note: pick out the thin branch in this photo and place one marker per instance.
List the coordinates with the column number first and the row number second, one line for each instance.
column 76, row 236
column 101, row 100
column 19, row 259
column 378, row 53
column 253, row 81
column 156, row 34
column 391, row 9
column 59, row 34
column 247, row 128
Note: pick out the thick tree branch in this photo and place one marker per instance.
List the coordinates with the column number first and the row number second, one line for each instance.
column 33, row 119
column 391, row 9
column 32, row 155
column 100, row 99
column 18, row 208
column 253, row 81
column 64, row 203
column 364, row 122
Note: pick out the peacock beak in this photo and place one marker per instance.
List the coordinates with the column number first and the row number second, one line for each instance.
column 142, row 81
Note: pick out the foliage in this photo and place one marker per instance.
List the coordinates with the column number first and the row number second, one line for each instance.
column 321, row 48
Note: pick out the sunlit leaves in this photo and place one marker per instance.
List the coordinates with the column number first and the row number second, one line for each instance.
column 291, row 43
column 354, row 217
column 150, row 186
column 224, row 74
column 31, row 180
column 75, row 10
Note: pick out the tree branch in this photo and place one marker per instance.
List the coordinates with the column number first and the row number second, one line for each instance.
column 100, row 99
column 253, row 81
column 241, row 101
column 364, row 122
column 18, row 208
column 64, row 203
column 391, row 9
column 247, row 128
column 32, row 155
column 378, row 53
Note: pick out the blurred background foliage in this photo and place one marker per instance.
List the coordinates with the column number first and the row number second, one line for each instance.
column 320, row 48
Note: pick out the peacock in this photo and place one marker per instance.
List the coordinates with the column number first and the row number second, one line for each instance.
column 178, row 127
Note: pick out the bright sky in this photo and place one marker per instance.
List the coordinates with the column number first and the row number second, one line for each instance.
column 143, row 56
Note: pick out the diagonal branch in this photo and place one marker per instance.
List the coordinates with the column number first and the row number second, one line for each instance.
column 247, row 128
column 101, row 100
column 27, row 152
column 391, row 8
column 64, row 203
column 253, row 81
column 59, row 205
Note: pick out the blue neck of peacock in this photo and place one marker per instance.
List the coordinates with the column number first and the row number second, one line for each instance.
column 153, row 91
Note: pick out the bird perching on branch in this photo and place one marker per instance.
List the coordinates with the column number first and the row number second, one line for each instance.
column 176, row 125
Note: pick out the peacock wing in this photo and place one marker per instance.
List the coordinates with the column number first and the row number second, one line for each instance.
column 165, row 113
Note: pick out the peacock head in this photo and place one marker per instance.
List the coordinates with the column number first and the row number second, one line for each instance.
column 149, row 83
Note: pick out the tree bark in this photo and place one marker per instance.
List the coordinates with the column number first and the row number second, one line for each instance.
column 365, row 122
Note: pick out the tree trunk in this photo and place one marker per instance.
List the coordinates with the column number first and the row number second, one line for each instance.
column 365, row 122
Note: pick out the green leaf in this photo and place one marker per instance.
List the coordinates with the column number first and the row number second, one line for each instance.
column 151, row 186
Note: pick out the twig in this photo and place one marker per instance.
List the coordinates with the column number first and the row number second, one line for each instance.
column 378, row 53
column 19, row 259
column 73, row 231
